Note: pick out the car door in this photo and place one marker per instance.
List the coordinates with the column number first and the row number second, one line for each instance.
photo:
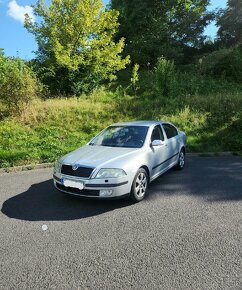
column 172, row 143
column 158, row 154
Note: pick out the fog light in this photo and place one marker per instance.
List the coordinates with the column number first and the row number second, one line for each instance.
column 105, row 192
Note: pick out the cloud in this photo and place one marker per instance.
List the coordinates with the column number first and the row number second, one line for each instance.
column 17, row 12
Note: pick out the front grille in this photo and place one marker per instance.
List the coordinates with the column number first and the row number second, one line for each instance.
column 78, row 191
column 79, row 172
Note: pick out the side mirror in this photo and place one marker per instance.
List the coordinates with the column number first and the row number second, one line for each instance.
column 157, row 143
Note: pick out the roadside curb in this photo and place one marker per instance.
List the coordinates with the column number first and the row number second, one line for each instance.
column 51, row 164
column 26, row 167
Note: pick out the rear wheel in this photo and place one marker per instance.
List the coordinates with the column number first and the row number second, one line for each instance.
column 181, row 160
column 139, row 186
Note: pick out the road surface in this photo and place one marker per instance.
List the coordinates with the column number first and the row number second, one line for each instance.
column 187, row 233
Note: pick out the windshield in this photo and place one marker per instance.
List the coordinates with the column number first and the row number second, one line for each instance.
column 122, row 136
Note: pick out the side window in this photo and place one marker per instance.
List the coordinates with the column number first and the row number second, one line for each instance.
column 170, row 130
column 157, row 134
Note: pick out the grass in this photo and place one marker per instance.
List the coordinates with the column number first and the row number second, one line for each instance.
column 47, row 129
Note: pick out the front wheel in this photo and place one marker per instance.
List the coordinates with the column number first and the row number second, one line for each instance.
column 181, row 160
column 139, row 186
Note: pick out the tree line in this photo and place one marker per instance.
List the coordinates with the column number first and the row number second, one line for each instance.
column 82, row 45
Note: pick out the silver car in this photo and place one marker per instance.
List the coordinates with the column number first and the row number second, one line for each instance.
column 122, row 160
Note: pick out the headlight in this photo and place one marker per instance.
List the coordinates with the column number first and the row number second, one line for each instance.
column 110, row 173
column 57, row 167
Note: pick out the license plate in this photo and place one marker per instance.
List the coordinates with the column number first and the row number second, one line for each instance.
column 74, row 184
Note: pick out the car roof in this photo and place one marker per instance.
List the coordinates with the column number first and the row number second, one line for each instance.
column 138, row 123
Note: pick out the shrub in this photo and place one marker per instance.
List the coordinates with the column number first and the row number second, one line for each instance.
column 224, row 63
column 135, row 78
column 18, row 84
column 230, row 66
column 165, row 76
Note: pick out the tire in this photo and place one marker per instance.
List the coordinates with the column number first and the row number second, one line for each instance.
column 181, row 160
column 139, row 186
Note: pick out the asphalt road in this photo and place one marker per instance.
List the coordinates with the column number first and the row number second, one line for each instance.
column 187, row 233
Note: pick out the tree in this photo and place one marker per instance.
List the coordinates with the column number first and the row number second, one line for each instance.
column 153, row 28
column 230, row 23
column 18, row 84
column 76, row 38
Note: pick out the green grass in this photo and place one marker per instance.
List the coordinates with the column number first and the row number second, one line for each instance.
column 48, row 129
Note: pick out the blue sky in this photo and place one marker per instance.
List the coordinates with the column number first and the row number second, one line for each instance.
column 16, row 41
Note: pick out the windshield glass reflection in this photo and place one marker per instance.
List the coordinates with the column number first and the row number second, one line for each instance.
column 122, row 136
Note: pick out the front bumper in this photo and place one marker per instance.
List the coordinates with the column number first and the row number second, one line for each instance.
column 94, row 188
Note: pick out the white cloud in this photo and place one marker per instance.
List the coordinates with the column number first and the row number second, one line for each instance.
column 17, row 12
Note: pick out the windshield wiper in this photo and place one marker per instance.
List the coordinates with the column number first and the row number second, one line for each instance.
column 111, row 145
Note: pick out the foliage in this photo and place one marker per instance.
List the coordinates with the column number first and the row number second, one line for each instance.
column 196, row 84
column 224, row 64
column 77, row 37
column 61, row 81
column 205, row 77
column 230, row 66
column 51, row 128
column 135, row 77
column 154, row 28
column 164, row 76
column 230, row 23
column 18, row 84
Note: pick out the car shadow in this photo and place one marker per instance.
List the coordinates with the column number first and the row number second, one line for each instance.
column 213, row 179
column 42, row 202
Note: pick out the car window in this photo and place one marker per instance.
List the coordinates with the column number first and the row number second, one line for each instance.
column 121, row 136
column 157, row 134
column 170, row 130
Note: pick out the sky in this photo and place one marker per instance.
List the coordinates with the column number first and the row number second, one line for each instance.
column 16, row 41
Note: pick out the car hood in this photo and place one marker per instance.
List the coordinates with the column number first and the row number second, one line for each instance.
column 95, row 156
